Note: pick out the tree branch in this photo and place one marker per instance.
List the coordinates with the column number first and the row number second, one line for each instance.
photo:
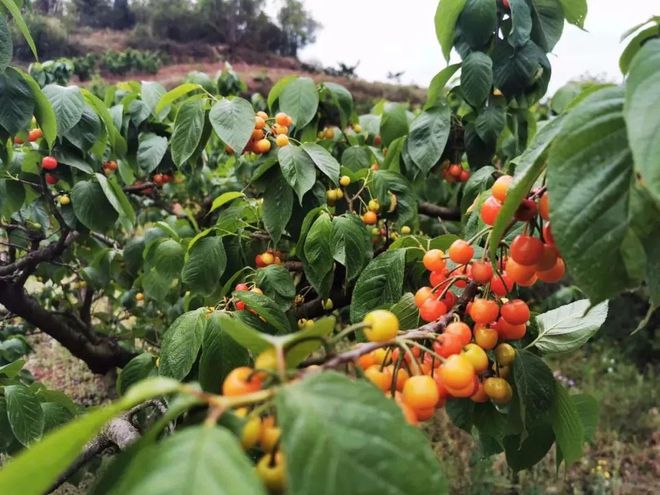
column 443, row 212
column 30, row 261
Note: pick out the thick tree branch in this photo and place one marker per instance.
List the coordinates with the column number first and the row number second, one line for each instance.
column 30, row 261
column 442, row 212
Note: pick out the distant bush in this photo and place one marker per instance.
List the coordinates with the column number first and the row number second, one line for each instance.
column 50, row 37
column 130, row 61
column 52, row 72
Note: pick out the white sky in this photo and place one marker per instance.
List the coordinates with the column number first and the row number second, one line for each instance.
column 395, row 35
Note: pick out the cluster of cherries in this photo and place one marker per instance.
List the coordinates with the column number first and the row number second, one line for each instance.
column 265, row 127
column 267, row 258
column 260, row 433
column 454, row 172
column 530, row 258
column 33, row 135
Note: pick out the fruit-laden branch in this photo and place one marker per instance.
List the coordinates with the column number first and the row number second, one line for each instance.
column 436, row 211
column 100, row 353
column 119, row 434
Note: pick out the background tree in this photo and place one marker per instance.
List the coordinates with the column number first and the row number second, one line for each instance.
column 298, row 27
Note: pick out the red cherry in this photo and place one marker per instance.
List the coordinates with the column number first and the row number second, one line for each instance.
column 481, row 272
column 447, row 344
column 432, row 309
column 547, row 234
column 501, row 284
column 242, row 287
column 515, row 312
column 489, row 210
column 48, row 163
column 526, row 250
column 437, row 277
column 527, row 210
column 51, row 179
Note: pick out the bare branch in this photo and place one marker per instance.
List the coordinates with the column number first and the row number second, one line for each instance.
column 442, row 212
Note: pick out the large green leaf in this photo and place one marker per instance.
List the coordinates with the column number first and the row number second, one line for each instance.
column 138, row 368
column 278, row 205
column 393, row 123
column 407, row 312
column 477, row 22
column 181, row 344
column 251, row 339
column 379, row 285
column 87, row 131
column 535, row 385
column 343, row 99
column 300, row 100
column 116, row 139
column 37, row 468
column 529, row 166
column 16, row 101
column 428, row 137
column 198, row 460
column 166, row 256
column 328, row 419
column 13, row 7
column 516, row 70
column 116, row 197
column 350, row 244
column 642, row 114
column 301, row 344
column 277, row 89
column 205, row 263
column 92, row 207
column 233, row 122
column 445, row 22
column 220, row 355
column 6, row 44
column 589, row 178
column 24, row 412
column 635, row 44
column 568, row 327
column 490, row 123
column 575, row 11
column 523, row 452
column 476, row 78
column 68, row 104
column 277, row 283
column 188, row 128
column 567, row 425
column 151, row 150
column 323, row 160
column 297, row 168
column 174, row 94
column 587, row 409
column 318, row 254
column 438, row 83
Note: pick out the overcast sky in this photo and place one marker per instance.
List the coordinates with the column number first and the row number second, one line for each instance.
column 395, row 35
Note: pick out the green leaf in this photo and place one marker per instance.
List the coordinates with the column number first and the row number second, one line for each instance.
column 490, row 123
column 521, row 22
column 535, row 385
column 566, row 425
column 393, row 123
column 197, row 460
column 116, row 197
column 477, row 78
column 300, row 345
column 174, row 94
column 517, row 70
column 318, row 256
column 151, row 150
column 277, row 207
column 138, row 368
column 16, row 15
column 92, row 207
column 225, row 198
column 152, row 92
column 642, row 114
column 343, row 99
column 43, row 110
column 529, row 167
column 438, row 84
column 116, row 139
column 16, row 102
column 379, row 285
column 587, row 409
column 24, row 412
column 277, row 89
column 36, row 469
column 548, row 22
column 68, row 104
column 350, row 244
column 356, row 157
column 461, row 413
column 477, row 22
column 323, row 160
column 568, row 327
column 297, row 168
column 407, row 312
column 326, row 421
column 87, row 131
column 445, row 22
column 233, row 122
column 300, row 100
column 55, row 415
column 635, row 45
column 12, row 369
column 525, row 452
column 163, row 262
column 428, row 137
column 6, row 44
column 591, row 154
column 277, row 283
column 265, row 307
column 251, row 339
column 188, row 128
column 181, row 344
column 205, row 263
column 575, row 11
column 220, row 355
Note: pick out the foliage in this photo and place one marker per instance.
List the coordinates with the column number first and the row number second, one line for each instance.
column 277, row 263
